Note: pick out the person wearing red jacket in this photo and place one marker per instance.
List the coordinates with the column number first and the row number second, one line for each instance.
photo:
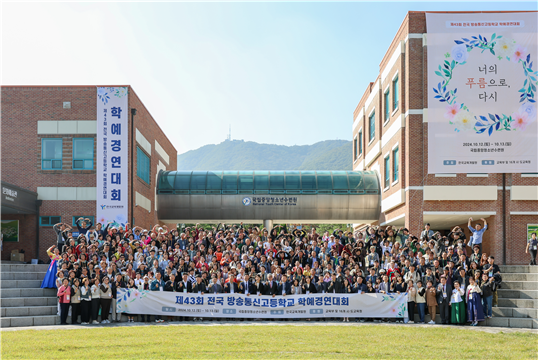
column 64, row 293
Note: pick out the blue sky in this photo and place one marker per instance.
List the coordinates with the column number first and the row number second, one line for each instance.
column 282, row 73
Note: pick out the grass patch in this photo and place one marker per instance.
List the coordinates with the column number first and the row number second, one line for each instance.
column 268, row 342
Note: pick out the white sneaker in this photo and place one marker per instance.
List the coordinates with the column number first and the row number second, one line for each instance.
column 95, row 322
column 157, row 321
column 83, row 323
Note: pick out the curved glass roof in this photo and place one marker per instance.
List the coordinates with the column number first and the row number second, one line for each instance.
column 267, row 182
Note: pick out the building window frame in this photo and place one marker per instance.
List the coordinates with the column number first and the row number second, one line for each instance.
column 386, row 101
column 51, row 160
column 141, row 158
column 360, row 142
column 355, row 149
column 49, row 220
column 371, row 127
column 84, row 160
column 386, row 171
column 395, row 164
column 395, row 92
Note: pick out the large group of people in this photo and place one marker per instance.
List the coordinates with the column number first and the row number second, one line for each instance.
column 441, row 273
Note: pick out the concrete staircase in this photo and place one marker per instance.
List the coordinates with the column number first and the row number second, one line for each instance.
column 22, row 301
column 518, row 298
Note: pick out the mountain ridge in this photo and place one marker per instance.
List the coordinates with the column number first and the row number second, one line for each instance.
column 241, row 155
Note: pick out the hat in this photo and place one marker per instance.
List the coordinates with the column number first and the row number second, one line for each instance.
column 146, row 277
column 198, row 276
column 381, row 271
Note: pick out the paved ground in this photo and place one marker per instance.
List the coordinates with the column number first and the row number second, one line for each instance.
column 492, row 330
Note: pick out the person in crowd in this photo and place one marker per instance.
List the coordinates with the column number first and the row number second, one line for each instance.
column 475, row 311
column 444, row 292
column 85, row 302
column 411, row 298
column 478, row 232
column 75, row 301
column 532, row 248
column 96, row 300
column 64, row 294
column 421, row 302
column 285, row 261
column 457, row 305
column 431, row 301
column 487, row 294
column 105, row 299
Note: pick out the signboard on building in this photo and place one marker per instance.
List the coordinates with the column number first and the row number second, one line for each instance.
column 482, row 77
column 112, row 155
column 10, row 230
column 531, row 228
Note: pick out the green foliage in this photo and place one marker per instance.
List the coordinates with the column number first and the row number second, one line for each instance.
column 239, row 155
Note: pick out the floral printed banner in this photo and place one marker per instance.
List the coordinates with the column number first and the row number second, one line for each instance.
column 482, row 78
column 112, row 155
column 252, row 306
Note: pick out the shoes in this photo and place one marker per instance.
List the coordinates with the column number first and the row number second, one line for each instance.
column 95, row 322
column 162, row 321
column 432, row 322
column 200, row 319
column 83, row 323
column 495, row 306
column 410, row 322
column 361, row 320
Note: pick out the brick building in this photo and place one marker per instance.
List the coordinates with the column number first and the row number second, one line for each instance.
column 390, row 136
column 40, row 190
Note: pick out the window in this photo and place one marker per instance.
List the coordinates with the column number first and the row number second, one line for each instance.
column 387, row 105
column 372, row 127
column 51, row 153
column 142, row 165
column 387, row 171
column 395, row 93
column 49, row 220
column 395, row 164
column 82, row 153
column 75, row 218
column 360, row 142
column 355, row 149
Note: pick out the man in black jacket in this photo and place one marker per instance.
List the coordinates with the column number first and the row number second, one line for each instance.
column 271, row 287
column 444, row 293
column 284, row 288
column 231, row 286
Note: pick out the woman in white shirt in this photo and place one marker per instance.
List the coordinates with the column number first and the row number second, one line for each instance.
column 85, row 302
column 475, row 311
column 420, row 299
column 411, row 298
column 457, row 306
column 95, row 300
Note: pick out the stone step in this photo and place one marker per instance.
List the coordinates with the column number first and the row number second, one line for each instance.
column 29, row 311
column 511, row 293
column 28, row 292
column 30, row 321
column 28, row 301
column 512, row 322
column 515, row 312
column 21, row 284
column 518, row 302
column 519, row 268
column 520, row 277
column 23, row 276
column 23, row 268
column 506, row 284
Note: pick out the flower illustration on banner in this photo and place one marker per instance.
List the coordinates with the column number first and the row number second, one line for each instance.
column 521, row 120
column 464, row 120
column 451, row 111
column 458, row 114
column 103, row 95
column 529, row 109
column 519, row 53
column 504, row 48
column 120, row 92
column 459, row 53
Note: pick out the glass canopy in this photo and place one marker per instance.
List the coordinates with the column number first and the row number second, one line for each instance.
column 267, row 182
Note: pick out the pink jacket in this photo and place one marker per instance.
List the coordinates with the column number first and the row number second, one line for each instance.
column 65, row 294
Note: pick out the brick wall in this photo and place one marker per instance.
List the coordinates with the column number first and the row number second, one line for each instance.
column 413, row 145
column 22, row 107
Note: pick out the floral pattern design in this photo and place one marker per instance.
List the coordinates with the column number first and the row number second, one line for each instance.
column 459, row 115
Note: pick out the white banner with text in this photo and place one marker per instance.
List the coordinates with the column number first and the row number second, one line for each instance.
column 112, row 155
column 482, row 77
column 236, row 305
